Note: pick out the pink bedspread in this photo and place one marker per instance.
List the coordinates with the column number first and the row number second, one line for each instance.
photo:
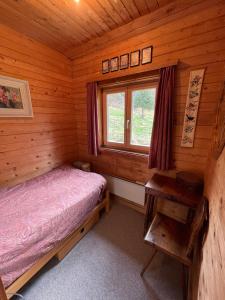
column 35, row 215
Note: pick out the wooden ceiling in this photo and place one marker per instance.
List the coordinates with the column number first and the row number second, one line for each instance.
column 64, row 24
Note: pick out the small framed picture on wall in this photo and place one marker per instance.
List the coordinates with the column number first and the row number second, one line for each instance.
column 114, row 64
column 135, row 58
column 146, row 56
column 124, row 61
column 105, row 66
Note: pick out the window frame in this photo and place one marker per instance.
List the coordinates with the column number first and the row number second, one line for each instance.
column 127, row 89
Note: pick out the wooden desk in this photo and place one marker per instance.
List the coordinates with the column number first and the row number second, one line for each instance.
column 168, row 189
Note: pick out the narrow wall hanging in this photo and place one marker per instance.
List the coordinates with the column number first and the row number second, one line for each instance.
column 191, row 109
column 15, row 100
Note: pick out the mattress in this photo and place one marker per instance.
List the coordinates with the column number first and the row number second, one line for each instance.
column 36, row 215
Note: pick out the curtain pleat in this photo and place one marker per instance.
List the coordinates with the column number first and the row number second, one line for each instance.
column 160, row 155
column 92, row 118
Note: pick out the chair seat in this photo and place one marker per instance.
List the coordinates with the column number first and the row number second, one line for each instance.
column 169, row 236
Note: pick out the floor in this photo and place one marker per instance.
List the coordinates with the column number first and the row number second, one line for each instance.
column 106, row 264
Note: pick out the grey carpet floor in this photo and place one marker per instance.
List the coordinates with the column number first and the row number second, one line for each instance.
column 106, row 264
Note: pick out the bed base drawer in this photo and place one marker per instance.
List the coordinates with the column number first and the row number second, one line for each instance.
column 77, row 236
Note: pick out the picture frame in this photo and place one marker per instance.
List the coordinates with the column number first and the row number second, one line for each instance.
column 15, row 99
column 105, row 66
column 114, row 64
column 124, row 61
column 135, row 58
column 146, row 55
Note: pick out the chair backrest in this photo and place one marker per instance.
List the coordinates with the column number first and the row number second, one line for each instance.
column 196, row 225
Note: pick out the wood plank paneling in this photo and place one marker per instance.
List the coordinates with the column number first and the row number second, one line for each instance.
column 212, row 273
column 64, row 24
column 30, row 147
column 194, row 34
column 168, row 14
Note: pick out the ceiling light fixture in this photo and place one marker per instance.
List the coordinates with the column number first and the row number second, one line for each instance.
column 77, row 1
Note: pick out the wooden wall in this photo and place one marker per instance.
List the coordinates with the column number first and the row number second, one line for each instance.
column 194, row 34
column 29, row 147
column 212, row 283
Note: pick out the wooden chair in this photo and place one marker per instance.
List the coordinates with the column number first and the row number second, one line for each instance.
column 176, row 239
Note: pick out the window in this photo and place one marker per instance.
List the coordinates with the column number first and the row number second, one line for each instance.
column 128, row 114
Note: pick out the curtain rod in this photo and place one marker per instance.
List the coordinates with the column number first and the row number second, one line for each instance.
column 151, row 78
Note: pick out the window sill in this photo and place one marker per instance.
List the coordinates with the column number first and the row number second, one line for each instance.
column 124, row 152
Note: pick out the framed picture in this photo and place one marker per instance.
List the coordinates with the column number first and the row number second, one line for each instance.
column 15, row 100
column 124, row 61
column 135, row 58
column 105, row 66
column 146, row 56
column 114, row 64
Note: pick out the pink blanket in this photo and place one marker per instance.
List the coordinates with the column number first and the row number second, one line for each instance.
column 34, row 216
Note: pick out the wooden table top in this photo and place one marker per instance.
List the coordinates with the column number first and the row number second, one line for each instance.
column 167, row 187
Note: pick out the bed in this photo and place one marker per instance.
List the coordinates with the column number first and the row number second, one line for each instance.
column 45, row 217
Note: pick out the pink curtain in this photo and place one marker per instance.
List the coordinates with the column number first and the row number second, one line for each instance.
column 160, row 155
column 92, row 118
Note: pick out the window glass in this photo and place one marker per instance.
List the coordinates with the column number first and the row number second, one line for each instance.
column 142, row 114
column 115, row 105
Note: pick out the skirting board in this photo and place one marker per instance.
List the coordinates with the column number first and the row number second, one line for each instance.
column 131, row 204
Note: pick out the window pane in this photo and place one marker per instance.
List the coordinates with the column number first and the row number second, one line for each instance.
column 142, row 113
column 115, row 117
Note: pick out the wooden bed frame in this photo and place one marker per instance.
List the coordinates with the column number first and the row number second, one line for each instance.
column 59, row 251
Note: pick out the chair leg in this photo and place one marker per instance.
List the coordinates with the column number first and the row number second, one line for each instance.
column 148, row 263
column 185, row 282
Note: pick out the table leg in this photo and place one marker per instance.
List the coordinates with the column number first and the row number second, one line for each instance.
column 185, row 282
column 150, row 202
